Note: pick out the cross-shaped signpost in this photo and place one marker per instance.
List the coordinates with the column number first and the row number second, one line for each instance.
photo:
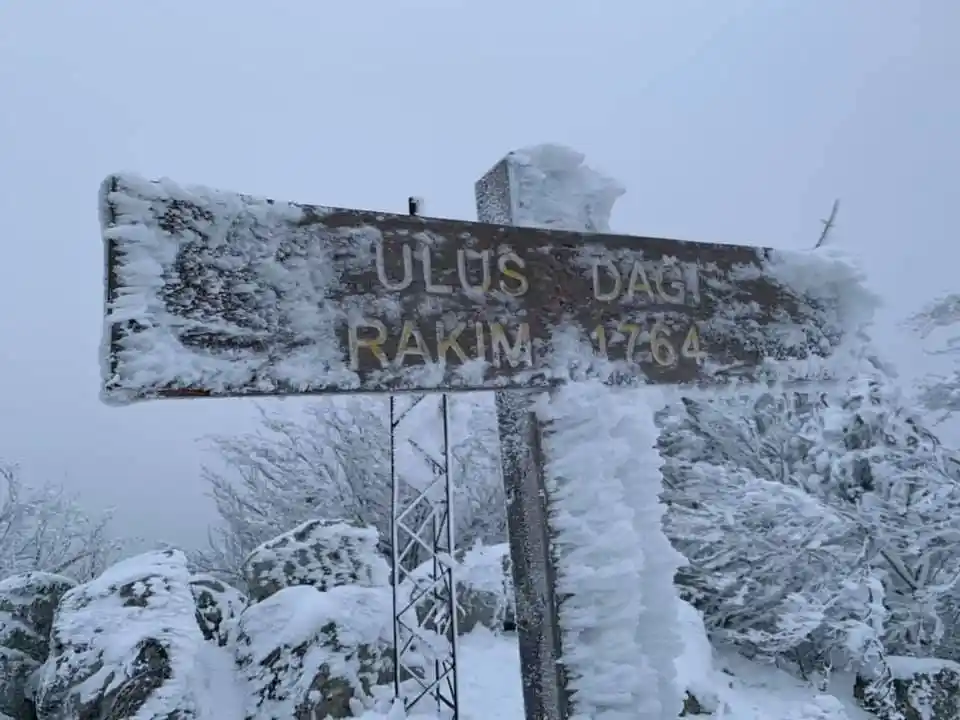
column 217, row 294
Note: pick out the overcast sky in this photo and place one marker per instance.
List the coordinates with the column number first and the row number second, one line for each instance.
column 730, row 120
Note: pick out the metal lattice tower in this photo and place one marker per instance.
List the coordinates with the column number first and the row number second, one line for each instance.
column 422, row 540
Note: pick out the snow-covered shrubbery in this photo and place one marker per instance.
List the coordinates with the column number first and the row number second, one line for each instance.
column 331, row 461
column 148, row 638
column 43, row 528
column 819, row 528
column 938, row 326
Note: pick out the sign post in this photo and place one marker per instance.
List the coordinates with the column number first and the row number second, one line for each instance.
column 218, row 294
column 521, row 455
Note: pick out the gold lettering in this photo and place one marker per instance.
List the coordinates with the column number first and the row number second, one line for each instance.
column 374, row 344
column 407, row 255
column 600, row 338
column 447, row 342
column 427, row 261
column 419, row 348
column 481, row 341
column 677, row 283
column 638, row 281
column 515, row 274
column 691, row 345
column 612, row 271
column 634, row 331
column 520, row 351
column 660, row 346
column 484, row 256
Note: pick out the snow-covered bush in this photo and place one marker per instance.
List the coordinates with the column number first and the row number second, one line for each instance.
column 332, row 461
column 44, row 528
column 938, row 325
column 817, row 526
column 877, row 465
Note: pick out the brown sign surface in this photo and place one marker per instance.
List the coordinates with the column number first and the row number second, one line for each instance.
column 220, row 294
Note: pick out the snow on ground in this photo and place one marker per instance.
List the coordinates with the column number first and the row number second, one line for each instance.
column 733, row 687
column 218, row 690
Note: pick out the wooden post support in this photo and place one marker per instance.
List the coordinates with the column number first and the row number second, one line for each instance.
column 545, row 695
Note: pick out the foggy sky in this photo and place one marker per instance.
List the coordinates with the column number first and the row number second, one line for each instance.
column 729, row 121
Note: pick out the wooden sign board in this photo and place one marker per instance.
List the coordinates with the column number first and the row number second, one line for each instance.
column 213, row 293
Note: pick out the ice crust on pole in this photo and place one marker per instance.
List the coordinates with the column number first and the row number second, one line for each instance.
column 614, row 566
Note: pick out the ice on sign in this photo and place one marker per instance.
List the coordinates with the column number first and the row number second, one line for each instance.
column 222, row 294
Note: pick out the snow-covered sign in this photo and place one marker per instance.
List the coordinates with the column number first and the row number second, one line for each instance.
column 213, row 293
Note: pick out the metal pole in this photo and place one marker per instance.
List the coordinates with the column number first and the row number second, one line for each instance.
column 422, row 538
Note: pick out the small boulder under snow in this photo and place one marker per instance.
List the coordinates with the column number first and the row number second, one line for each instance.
column 319, row 553
column 27, row 605
column 306, row 654
column 484, row 583
column 124, row 644
column 924, row 689
column 218, row 607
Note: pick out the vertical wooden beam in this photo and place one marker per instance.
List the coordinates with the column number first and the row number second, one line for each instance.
column 545, row 693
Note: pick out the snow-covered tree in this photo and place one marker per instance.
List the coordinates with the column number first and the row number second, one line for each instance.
column 876, row 463
column 44, row 528
column 939, row 323
column 802, row 515
column 332, row 461
column 766, row 557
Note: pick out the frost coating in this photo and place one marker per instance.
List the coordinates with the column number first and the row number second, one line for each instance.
column 130, row 631
column 615, row 575
column 221, row 294
column 843, row 305
column 302, row 651
column 615, row 567
column 555, row 190
column 247, row 286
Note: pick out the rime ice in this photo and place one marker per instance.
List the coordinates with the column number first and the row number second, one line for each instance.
column 220, row 294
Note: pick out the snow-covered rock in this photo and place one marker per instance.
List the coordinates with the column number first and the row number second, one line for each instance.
column 484, row 581
column 305, row 653
column 484, row 588
column 924, row 689
column 695, row 671
column 320, row 553
column 27, row 605
column 218, row 606
column 124, row 645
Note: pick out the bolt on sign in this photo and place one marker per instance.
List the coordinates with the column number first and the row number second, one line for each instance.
column 213, row 293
